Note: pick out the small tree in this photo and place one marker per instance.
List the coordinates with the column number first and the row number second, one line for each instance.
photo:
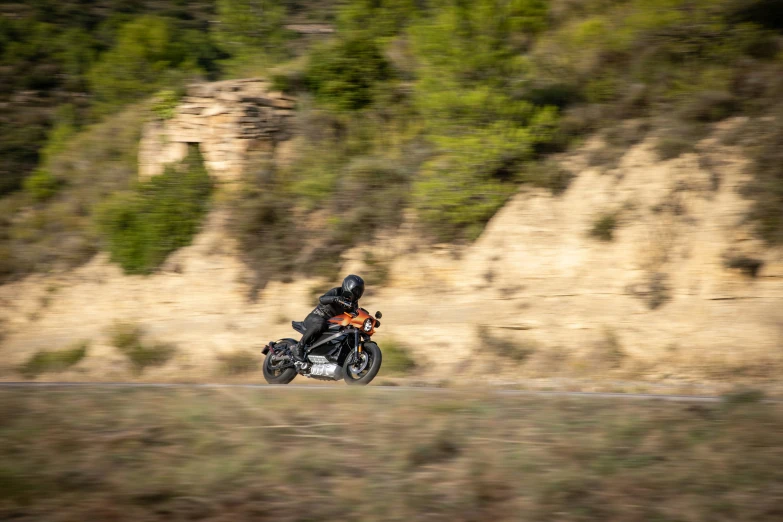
column 143, row 227
column 344, row 75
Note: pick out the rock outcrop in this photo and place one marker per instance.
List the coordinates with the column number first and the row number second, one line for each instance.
column 232, row 122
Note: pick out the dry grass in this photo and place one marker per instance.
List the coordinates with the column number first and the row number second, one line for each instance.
column 286, row 455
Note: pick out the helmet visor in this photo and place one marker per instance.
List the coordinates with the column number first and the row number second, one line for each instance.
column 354, row 293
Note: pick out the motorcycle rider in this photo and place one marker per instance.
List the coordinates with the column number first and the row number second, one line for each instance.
column 336, row 301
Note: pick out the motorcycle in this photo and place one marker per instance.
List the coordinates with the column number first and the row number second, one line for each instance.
column 344, row 351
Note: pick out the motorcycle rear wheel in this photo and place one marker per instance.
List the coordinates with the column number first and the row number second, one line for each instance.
column 361, row 372
column 273, row 374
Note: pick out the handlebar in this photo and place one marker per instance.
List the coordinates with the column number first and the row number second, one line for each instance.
column 351, row 309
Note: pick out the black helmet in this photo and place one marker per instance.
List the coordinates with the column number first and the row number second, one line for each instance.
column 353, row 287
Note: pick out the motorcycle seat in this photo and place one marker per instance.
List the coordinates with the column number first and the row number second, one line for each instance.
column 298, row 326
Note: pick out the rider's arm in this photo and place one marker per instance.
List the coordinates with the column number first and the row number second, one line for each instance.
column 330, row 297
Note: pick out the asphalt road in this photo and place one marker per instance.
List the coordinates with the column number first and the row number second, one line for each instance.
column 383, row 389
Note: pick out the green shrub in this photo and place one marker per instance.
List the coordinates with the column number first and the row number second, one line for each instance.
column 547, row 174
column 604, row 226
column 251, row 35
column 383, row 186
column 749, row 266
column 442, row 446
column 659, row 292
column 606, row 157
column 396, row 358
column 125, row 335
column 291, row 76
column 460, row 189
column 143, row 227
column 381, row 18
column 710, row 106
column 344, row 75
column 743, row 397
column 128, row 339
column 165, row 103
column 766, row 187
column 267, row 233
column 680, row 137
column 607, row 353
column 65, row 127
column 41, row 185
column 482, row 129
column 150, row 53
column 156, row 354
column 503, row 346
column 628, row 134
column 376, row 272
column 54, row 361
column 670, row 147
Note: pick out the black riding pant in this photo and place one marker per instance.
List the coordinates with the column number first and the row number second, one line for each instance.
column 314, row 325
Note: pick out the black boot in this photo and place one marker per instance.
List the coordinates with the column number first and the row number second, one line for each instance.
column 299, row 352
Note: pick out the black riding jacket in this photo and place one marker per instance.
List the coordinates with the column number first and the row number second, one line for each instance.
column 329, row 307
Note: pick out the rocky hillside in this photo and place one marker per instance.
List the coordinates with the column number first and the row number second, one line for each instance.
column 644, row 272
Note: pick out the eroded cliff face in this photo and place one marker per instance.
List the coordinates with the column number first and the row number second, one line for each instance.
column 233, row 122
column 672, row 298
column 683, row 288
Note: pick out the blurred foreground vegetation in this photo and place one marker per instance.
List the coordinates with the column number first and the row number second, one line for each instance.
column 442, row 108
column 294, row 455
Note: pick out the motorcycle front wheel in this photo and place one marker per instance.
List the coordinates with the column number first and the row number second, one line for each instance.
column 362, row 369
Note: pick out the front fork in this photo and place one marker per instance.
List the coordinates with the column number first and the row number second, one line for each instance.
column 357, row 347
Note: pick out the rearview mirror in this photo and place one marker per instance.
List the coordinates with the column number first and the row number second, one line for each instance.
column 378, row 315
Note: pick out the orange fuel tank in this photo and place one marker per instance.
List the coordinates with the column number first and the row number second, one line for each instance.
column 355, row 321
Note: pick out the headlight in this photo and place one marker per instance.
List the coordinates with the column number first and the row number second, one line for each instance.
column 367, row 325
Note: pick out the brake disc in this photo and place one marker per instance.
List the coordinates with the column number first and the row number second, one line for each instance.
column 361, row 365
